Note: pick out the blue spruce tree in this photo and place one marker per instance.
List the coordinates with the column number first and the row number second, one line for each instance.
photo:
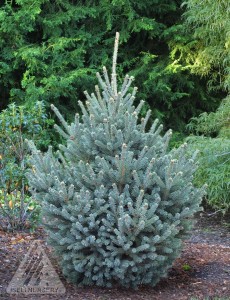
column 116, row 203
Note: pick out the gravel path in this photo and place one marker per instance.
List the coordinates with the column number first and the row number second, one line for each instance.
column 209, row 230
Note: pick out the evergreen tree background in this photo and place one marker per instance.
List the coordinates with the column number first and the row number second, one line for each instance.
column 50, row 51
column 117, row 204
column 210, row 21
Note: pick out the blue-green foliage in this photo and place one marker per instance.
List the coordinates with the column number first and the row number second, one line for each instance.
column 116, row 202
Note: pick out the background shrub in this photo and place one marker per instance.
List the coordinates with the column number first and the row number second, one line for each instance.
column 17, row 208
column 212, row 140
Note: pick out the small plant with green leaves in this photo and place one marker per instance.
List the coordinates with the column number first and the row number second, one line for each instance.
column 17, row 123
column 116, row 202
column 186, row 267
column 10, row 206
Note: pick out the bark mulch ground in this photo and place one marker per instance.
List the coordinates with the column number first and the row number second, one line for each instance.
column 202, row 271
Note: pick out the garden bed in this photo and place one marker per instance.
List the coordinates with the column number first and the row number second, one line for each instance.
column 202, row 271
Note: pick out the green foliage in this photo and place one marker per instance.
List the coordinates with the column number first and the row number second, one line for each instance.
column 214, row 158
column 11, row 210
column 116, row 202
column 210, row 21
column 16, row 124
column 50, row 51
column 173, row 93
column 215, row 123
column 214, row 169
column 186, row 267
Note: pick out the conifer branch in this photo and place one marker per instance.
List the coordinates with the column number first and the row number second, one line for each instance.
column 114, row 74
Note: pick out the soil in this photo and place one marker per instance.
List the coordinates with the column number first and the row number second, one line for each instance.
column 201, row 272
